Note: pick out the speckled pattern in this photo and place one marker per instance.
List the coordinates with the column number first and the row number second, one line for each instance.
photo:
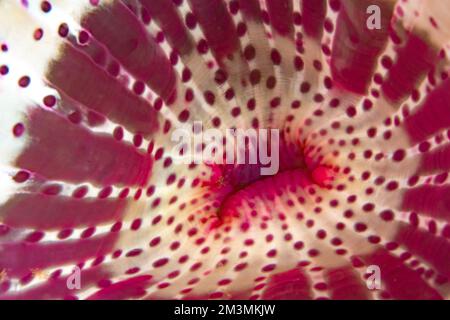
column 91, row 92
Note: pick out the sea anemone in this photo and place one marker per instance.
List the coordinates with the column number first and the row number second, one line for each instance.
column 95, row 202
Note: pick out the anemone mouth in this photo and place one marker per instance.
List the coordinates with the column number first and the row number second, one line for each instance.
column 234, row 184
column 262, row 189
column 95, row 204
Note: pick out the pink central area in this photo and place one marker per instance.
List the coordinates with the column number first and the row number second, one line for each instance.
column 235, row 186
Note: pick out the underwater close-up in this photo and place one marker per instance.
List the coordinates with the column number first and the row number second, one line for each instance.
column 225, row 149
